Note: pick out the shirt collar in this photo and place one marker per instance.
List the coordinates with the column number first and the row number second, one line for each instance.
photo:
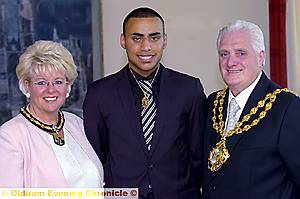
column 243, row 96
column 148, row 78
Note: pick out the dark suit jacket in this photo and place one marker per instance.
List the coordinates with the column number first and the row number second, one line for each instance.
column 112, row 125
column 265, row 161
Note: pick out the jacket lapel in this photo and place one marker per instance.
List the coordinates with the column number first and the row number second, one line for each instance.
column 165, row 94
column 125, row 94
column 257, row 94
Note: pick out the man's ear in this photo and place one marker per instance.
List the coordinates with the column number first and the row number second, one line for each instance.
column 122, row 41
column 165, row 41
column 262, row 58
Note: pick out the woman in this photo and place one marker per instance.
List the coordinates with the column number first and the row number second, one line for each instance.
column 43, row 146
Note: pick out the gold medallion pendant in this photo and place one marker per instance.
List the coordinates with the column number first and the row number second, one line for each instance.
column 218, row 156
column 58, row 139
column 145, row 102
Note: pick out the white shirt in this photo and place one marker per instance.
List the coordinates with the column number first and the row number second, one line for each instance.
column 78, row 169
column 242, row 98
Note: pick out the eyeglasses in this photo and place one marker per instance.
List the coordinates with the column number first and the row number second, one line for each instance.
column 55, row 83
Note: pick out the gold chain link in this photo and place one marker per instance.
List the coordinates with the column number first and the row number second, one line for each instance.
column 219, row 127
column 219, row 154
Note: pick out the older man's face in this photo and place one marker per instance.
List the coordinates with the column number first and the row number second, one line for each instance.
column 239, row 63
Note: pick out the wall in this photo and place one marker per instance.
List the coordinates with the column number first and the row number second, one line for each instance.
column 192, row 30
column 293, row 45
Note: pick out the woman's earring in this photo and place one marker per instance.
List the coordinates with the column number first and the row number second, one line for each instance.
column 68, row 93
column 27, row 95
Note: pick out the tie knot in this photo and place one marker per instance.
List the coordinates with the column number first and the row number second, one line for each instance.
column 233, row 107
column 146, row 86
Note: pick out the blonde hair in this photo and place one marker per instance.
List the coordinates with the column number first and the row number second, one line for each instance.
column 45, row 56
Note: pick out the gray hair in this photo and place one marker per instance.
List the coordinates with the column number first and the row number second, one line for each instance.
column 256, row 34
column 42, row 56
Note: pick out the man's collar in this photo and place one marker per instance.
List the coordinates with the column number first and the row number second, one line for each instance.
column 243, row 96
column 149, row 77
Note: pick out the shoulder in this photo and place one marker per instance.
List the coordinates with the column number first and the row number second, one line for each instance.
column 288, row 97
column 16, row 127
column 213, row 96
column 16, row 122
column 107, row 81
column 182, row 80
column 179, row 75
column 283, row 95
column 73, row 123
column 71, row 117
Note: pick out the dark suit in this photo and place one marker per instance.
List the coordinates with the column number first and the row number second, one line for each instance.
column 265, row 161
column 112, row 124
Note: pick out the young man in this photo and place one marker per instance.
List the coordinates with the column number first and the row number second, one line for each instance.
column 146, row 121
column 252, row 133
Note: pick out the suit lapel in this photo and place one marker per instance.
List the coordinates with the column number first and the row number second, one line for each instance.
column 165, row 94
column 257, row 94
column 126, row 97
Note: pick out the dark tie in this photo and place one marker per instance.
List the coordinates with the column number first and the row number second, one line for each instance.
column 148, row 112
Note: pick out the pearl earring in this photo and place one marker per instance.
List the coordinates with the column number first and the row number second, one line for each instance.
column 68, row 93
column 27, row 95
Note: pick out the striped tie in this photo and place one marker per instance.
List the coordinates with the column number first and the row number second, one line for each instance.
column 148, row 113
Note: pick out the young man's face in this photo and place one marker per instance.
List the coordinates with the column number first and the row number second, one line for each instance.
column 239, row 63
column 144, row 42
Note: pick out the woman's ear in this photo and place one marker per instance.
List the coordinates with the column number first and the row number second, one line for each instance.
column 26, row 87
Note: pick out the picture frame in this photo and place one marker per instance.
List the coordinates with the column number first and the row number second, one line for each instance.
column 77, row 24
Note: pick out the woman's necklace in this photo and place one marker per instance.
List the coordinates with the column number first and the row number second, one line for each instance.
column 51, row 129
column 145, row 99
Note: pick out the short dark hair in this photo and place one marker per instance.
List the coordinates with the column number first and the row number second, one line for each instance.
column 143, row 12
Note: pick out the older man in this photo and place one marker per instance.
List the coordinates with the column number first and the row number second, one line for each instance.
column 252, row 133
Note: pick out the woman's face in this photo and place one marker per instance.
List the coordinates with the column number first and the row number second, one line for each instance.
column 47, row 92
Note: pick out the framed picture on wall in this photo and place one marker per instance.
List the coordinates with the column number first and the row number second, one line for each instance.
column 74, row 23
